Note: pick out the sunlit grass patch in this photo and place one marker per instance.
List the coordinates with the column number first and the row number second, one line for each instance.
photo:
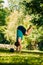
column 18, row 58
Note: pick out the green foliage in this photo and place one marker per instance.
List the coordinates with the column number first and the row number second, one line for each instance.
column 2, row 17
column 13, row 21
column 1, row 5
column 4, row 12
column 40, row 44
column 35, row 10
column 24, row 12
column 34, row 7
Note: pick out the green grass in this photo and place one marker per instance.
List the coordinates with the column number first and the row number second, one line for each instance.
column 19, row 58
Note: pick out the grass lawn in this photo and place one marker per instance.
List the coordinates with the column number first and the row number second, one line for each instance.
column 19, row 58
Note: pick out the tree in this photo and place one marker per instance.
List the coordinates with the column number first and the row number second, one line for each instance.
column 35, row 8
column 4, row 12
column 13, row 4
column 1, row 5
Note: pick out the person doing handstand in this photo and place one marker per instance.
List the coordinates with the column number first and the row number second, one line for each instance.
column 21, row 31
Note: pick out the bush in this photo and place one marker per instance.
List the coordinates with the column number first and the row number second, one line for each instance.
column 40, row 45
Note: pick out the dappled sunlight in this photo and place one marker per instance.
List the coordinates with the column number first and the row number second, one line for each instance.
column 25, row 13
column 15, row 19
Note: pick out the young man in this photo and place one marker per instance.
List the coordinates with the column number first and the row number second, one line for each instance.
column 20, row 32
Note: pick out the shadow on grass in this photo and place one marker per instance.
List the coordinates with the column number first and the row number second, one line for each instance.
column 21, row 63
column 4, row 50
column 8, row 64
column 14, row 64
column 22, row 52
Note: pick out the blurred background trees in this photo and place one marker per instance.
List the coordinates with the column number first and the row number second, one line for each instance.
column 24, row 12
column 4, row 12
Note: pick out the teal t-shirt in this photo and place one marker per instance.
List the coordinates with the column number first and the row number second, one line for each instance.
column 21, row 31
column 19, row 34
